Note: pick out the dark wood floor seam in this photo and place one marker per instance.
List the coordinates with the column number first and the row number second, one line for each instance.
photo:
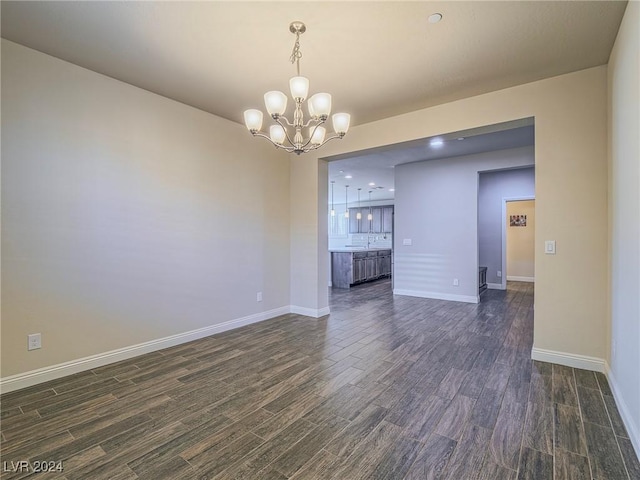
column 386, row 387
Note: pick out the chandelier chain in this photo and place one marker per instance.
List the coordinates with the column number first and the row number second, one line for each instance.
column 296, row 54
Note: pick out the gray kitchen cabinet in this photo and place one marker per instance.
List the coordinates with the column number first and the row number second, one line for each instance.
column 381, row 222
column 355, row 225
column 372, row 265
column 387, row 219
column 384, row 264
column 376, row 222
column 350, row 268
column 359, row 269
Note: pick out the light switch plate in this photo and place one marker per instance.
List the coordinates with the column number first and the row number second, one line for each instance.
column 406, row 241
column 550, row 247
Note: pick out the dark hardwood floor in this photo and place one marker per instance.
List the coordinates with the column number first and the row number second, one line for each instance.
column 384, row 388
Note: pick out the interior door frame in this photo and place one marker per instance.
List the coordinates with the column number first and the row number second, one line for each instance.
column 504, row 234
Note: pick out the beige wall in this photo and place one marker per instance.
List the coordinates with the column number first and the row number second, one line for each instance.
column 521, row 241
column 624, row 219
column 128, row 217
column 304, row 228
column 571, row 196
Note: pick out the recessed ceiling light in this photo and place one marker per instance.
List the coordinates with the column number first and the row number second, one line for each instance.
column 435, row 18
column 436, row 142
column 392, row 189
column 372, row 184
column 460, row 138
column 348, row 176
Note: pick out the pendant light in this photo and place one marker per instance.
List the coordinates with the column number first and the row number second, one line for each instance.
column 333, row 210
column 346, row 201
column 359, row 214
column 370, row 216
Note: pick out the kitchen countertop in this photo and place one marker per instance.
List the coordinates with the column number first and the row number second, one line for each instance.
column 357, row 249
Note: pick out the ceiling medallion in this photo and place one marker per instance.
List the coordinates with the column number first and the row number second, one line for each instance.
column 319, row 107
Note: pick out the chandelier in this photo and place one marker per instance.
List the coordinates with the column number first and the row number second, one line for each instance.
column 319, row 107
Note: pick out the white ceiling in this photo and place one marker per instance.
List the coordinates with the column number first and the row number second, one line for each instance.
column 377, row 58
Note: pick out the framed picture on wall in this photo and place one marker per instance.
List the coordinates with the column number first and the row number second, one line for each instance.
column 517, row 220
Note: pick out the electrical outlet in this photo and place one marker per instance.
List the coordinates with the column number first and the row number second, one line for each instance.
column 499, row 274
column 259, row 297
column 34, row 341
column 456, row 282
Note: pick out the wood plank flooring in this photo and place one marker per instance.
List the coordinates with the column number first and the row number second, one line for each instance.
column 384, row 388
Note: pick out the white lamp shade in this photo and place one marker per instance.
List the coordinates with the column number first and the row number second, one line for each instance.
column 370, row 216
column 358, row 216
column 318, row 136
column 299, row 87
column 276, row 102
column 312, row 113
column 277, row 134
column 346, row 214
column 333, row 212
column 253, row 119
column 321, row 104
column 341, row 122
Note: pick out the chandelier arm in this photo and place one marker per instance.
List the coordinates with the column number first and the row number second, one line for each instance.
column 311, row 120
column 315, row 147
column 286, row 133
column 283, row 147
column 285, row 119
column 311, row 136
column 329, row 139
column 260, row 134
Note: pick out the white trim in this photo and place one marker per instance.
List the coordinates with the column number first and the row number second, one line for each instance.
column 569, row 359
column 597, row 365
column 34, row 377
column 310, row 312
column 625, row 411
column 438, row 295
column 515, row 278
column 495, row 286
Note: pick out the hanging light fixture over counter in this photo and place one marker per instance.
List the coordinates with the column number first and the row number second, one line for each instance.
column 319, row 107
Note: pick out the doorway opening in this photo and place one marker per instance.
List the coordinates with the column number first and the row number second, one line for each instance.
column 433, row 257
column 497, row 189
column 518, row 240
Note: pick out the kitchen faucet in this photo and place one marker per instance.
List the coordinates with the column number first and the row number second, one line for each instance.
column 369, row 240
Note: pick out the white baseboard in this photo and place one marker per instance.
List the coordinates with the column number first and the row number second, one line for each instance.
column 625, row 412
column 597, row 365
column 513, row 278
column 569, row 359
column 310, row 312
column 34, row 377
column 438, row 295
column 495, row 286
